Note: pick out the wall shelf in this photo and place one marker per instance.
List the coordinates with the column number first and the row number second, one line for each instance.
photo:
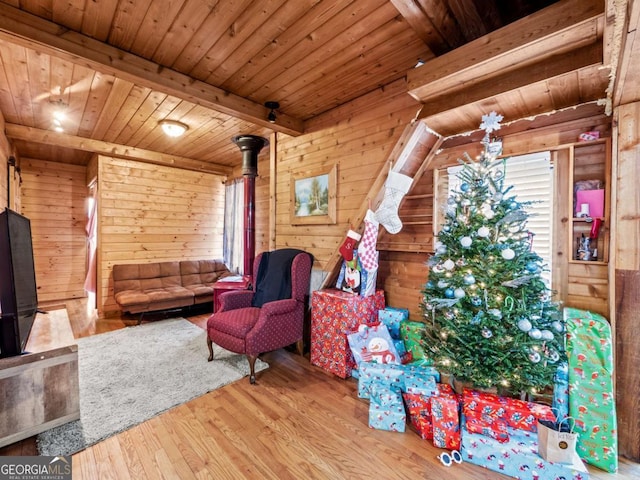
column 582, row 282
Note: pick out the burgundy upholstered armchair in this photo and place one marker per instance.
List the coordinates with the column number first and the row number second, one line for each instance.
column 270, row 316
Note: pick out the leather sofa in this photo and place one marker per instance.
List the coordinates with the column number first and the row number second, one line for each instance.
column 146, row 287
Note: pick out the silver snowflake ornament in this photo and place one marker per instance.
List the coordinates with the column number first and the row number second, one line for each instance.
column 491, row 123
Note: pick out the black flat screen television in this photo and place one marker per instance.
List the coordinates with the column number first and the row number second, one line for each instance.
column 18, row 292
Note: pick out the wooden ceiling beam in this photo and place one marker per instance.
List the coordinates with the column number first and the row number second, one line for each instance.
column 46, row 137
column 547, row 69
column 561, row 27
column 22, row 28
column 626, row 81
column 418, row 19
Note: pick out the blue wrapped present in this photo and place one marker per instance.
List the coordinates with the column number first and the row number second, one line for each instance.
column 420, row 383
column 395, row 376
column 386, row 408
column 392, row 317
column 560, row 402
column 518, row 457
column 370, row 373
column 402, row 350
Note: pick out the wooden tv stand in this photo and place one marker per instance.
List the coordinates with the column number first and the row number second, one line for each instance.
column 41, row 390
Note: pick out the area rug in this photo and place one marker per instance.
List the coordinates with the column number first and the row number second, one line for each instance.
column 131, row 375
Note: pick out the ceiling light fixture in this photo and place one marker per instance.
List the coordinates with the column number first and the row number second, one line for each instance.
column 272, row 106
column 59, row 114
column 173, row 128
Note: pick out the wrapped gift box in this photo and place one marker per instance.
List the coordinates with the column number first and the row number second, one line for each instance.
column 445, row 417
column 392, row 317
column 517, row 458
column 372, row 343
column 335, row 313
column 421, row 383
column 411, row 333
column 386, row 410
column 395, row 376
column 560, row 403
column 591, row 400
column 418, row 408
column 489, row 411
column 418, row 405
column 402, row 351
column 497, row 429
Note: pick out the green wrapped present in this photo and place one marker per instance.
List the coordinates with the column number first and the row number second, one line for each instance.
column 591, row 402
column 412, row 334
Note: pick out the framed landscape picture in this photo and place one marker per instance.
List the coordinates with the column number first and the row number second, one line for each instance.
column 313, row 196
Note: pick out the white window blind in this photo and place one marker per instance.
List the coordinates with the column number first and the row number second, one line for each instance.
column 532, row 179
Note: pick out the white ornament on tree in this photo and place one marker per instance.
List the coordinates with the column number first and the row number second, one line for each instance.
column 508, row 254
column 469, row 279
column 466, row 242
column 547, row 335
column 534, row 357
column 484, row 232
column 524, row 325
column 488, row 212
column 448, row 264
column 535, row 333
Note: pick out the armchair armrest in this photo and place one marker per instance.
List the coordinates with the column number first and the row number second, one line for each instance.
column 234, row 299
column 279, row 324
column 276, row 311
column 279, row 307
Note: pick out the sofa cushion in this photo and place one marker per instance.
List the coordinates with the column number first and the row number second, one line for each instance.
column 146, row 276
column 202, row 272
column 133, row 301
column 200, row 275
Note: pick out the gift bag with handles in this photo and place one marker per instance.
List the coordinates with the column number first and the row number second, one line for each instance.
column 557, row 440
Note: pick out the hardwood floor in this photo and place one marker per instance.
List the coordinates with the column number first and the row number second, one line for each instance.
column 296, row 422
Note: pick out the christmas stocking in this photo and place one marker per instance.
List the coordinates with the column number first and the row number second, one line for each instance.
column 367, row 249
column 396, row 187
column 346, row 249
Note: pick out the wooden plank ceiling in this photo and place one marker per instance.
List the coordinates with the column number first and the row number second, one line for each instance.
column 118, row 67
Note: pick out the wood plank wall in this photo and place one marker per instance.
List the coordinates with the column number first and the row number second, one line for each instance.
column 53, row 197
column 626, row 262
column 357, row 139
column 360, row 144
column 403, row 273
column 5, row 151
column 4, row 201
column 149, row 213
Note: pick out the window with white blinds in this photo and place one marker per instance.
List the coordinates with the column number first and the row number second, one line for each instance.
column 532, row 179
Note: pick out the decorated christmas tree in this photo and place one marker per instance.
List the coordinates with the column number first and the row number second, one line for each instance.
column 490, row 320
